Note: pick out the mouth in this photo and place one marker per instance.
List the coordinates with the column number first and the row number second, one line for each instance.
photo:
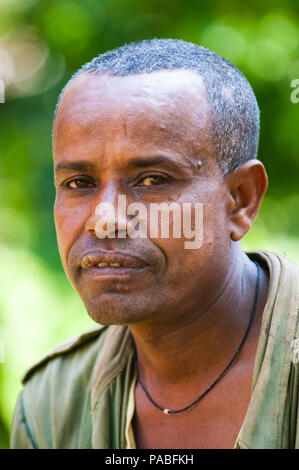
column 111, row 264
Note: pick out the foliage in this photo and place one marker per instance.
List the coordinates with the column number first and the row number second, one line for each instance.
column 41, row 45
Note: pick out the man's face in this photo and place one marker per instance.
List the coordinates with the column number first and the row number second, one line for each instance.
column 139, row 136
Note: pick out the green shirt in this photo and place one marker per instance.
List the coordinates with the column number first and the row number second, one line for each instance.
column 81, row 395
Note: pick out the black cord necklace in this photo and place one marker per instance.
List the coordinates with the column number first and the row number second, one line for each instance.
column 167, row 410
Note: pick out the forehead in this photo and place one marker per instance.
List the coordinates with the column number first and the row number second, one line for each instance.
column 161, row 108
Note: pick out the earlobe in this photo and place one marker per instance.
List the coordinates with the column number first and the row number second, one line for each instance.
column 241, row 227
column 247, row 186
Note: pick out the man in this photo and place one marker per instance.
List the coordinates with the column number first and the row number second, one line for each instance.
column 197, row 350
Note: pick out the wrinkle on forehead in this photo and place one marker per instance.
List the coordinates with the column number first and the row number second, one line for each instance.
column 165, row 105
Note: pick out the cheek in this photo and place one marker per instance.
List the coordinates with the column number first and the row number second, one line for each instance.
column 205, row 239
column 69, row 222
column 214, row 222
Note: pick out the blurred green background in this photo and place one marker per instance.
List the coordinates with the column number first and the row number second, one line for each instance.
column 41, row 44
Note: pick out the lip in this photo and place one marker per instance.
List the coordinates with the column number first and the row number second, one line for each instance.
column 129, row 265
column 119, row 274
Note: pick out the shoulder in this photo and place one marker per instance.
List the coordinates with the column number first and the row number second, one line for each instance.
column 81, row 344
column 55, row 400
column 54, row 409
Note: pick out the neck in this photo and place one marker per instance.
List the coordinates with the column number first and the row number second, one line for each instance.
column 204, row 344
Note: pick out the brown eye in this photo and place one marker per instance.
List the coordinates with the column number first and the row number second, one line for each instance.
column 79, row 183
column 153, row 180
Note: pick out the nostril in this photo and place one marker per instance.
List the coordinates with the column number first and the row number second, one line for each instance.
column 104, row 228
column 91, row 223
column 105, row 224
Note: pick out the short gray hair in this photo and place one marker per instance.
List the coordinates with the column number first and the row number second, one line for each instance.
column 234, row 109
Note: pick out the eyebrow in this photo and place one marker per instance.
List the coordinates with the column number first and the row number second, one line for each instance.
column 140, row 162
column 77, row 165
column 155, row 160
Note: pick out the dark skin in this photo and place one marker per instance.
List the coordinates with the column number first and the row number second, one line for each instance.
column 187, row 309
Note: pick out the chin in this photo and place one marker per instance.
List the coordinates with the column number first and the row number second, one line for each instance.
column 111, row 309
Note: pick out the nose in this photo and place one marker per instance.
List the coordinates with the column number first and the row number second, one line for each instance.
column 109, row 218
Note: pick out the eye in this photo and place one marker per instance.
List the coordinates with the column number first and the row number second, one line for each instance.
column 153, row 180
column 79, row 183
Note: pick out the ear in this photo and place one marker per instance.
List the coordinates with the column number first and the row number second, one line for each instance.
column 247, row 185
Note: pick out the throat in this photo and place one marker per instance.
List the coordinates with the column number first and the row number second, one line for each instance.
column 200, row 355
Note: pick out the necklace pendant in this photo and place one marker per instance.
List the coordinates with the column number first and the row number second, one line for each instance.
column 166, row 411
